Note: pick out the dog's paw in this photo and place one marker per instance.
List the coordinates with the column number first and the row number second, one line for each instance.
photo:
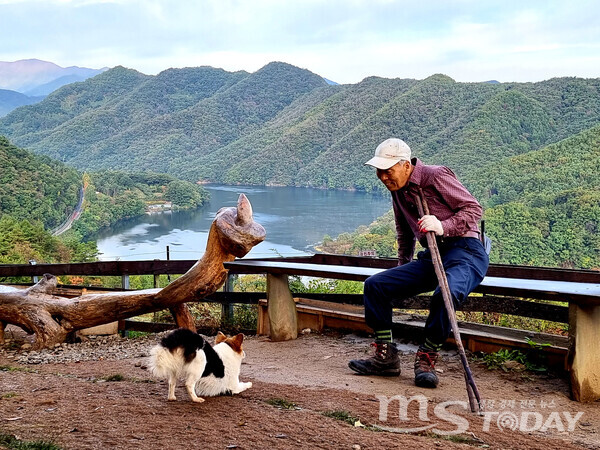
column 243, row 386
column 172, row 399
column 198, row 400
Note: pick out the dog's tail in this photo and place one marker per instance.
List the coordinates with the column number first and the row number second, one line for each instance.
column 163, row 363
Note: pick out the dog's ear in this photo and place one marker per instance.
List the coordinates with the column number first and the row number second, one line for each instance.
column 236, row 342
column 220, row 338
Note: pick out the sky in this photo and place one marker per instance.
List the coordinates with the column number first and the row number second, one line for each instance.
column 342, row 40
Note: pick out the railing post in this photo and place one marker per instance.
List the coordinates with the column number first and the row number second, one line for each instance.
column 124, row 285
column 156, row 286
column 227, row 308
column 34, row 278
column 168, row 259
column 584, row 360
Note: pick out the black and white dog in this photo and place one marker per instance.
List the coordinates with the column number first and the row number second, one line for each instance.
column 208, row 371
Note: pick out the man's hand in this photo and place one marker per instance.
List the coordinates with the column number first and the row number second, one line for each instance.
column 430, row 223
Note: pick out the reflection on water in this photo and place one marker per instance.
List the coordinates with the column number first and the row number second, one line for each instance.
column 295, row 219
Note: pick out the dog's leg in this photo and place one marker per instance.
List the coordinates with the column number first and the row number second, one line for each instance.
column 172, row 384
column 190, row 384
column 241, row 387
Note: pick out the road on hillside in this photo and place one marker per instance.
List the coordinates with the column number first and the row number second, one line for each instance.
column 72, row 218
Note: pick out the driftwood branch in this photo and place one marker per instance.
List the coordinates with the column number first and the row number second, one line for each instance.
column 233, row 234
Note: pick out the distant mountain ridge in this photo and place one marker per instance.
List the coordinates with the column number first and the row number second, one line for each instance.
column 10, row 100
column 28, row 81
column 29, row 76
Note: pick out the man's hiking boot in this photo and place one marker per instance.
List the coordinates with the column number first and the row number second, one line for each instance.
column 425, row 375
column 385, row 363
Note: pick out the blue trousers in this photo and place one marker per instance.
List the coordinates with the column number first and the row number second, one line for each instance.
column 465, row 262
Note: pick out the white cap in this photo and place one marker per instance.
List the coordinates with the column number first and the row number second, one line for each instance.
column 390, row 152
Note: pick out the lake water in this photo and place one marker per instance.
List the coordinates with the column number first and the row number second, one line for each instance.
column 295, row 219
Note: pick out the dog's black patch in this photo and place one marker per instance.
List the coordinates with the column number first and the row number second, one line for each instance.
column 192, row 342
column 214, row 364
column 187, row 339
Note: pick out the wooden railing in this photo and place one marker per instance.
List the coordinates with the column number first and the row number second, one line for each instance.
column 498, row 298
column 506, row 289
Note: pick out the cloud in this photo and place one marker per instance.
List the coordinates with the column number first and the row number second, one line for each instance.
column 341, row 40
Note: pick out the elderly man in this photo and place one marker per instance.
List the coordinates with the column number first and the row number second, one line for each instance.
column 454, row 214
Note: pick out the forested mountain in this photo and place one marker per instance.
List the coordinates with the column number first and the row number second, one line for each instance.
column 529, row 151
column 35, row 187
column 122, row 118
column 541, row 208
column 285, row 125
column 38, row 193
column 48, row 119
column 39, row 189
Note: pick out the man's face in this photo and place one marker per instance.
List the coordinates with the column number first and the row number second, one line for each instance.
column 397, row 176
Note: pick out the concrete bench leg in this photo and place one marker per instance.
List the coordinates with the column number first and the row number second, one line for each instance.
column 283, row 317
column 584, row 352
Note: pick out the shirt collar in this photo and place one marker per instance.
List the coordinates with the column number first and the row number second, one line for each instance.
column 417, row 173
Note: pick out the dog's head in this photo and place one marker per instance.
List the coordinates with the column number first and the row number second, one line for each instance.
column 234, row 342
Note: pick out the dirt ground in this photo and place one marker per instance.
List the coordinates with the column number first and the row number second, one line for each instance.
column 303, row 396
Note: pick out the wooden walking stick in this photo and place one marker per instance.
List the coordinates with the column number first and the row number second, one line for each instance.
column 472, row 392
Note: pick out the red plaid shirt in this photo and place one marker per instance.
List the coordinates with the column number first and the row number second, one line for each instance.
column 448, row 200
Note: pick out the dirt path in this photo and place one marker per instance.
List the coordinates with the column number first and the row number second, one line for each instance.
column 298, row 387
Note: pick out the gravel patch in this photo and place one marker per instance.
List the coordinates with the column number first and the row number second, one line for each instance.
column 95, row 348
column 92, row 348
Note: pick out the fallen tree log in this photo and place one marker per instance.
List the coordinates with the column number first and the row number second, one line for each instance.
column 53, row 319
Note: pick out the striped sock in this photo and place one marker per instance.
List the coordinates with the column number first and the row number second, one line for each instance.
column 384, row 335
column 431, row 346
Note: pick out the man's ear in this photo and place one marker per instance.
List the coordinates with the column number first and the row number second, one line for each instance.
column 220, row 338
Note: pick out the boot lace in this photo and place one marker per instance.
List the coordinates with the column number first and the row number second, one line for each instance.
column 381, row 349
column 426, row 361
